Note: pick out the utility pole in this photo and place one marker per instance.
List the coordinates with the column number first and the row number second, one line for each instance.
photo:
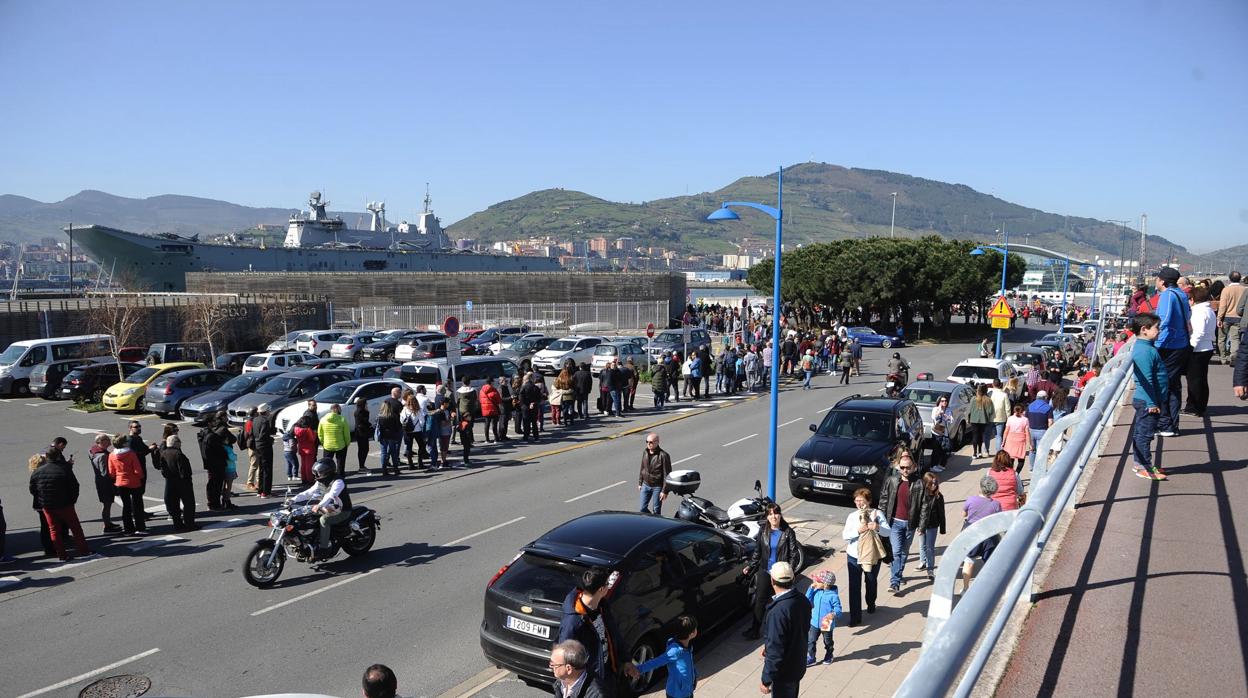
column 893, row 221
column 1143, row 243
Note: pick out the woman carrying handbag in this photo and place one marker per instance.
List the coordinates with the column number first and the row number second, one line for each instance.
column 864, row 534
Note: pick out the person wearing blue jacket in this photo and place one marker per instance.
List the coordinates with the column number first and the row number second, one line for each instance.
column 825, row 601
column 682, row 677
column 1151, row 392
column 1174, row 314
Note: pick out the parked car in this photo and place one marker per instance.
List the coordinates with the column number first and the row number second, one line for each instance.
column 45, row 379
column 523, row 350
column 925, row 394
column 132, row 355
column 576, row 347
column 169, row 352
column 618, row 351
column 283, row 360
column 318, row 342
column 217, row 400
column 1072, row 344
column 665, row 568
column 383, row 346
column 290, row 387
column 286, row 342
column 852, row 447
column 322, row 363
column 427, row 347
column 344, row 394
column 88, row 382
column 164, row 395
column 674, row 340
column 984, row 372
column 435, row 372
column 1064, row 360
column 506, row 340
column 128, row 394
column 481, row 343
column 232, row 361
column 368, row 369
column 868, row 337
column 1024, row 358
column 348, row 346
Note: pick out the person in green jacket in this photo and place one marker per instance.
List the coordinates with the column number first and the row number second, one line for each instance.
column 981, row 421
column 335, row 437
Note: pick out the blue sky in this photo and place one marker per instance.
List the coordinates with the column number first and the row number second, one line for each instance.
column 1105, row 109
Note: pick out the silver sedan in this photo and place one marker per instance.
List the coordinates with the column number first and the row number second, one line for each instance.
column 925, row 394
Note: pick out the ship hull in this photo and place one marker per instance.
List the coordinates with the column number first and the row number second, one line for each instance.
column 147, row 263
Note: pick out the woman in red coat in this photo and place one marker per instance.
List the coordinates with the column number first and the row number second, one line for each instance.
column 491, row 408
column 305, row 446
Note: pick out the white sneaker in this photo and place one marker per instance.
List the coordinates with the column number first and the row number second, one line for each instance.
column 1170, row 432
column 938, row 468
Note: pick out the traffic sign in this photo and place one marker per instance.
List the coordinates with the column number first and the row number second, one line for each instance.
column 450, row 326
column 1000, row 323
column 650, row 329
column 1001, row 309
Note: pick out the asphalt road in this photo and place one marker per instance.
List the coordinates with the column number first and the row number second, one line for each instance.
column 176, row 609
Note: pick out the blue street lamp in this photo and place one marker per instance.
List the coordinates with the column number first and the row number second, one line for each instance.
column 1005, row 256
column 725, row 213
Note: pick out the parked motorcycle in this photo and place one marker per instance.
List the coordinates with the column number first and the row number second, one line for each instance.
column 744, row 519
column 293, row 533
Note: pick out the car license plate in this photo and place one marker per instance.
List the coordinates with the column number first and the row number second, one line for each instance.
column 151, row 405
column 826, row 485
column 528, row 628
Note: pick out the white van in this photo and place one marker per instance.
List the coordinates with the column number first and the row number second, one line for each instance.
column 434, row 372
column 17, row 362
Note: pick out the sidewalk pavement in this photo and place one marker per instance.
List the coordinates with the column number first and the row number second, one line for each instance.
column 1147, row 594
column 871, row 659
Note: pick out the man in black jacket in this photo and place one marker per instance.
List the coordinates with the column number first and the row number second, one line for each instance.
column 582, row 385
column 656, row 465
column 179, row 488
column 530, row 404
column 144, row 451
column 568, row 661
column 587, row 619
column 54, row 486
column 900, row 499
column 261, row 442
column 784, row 637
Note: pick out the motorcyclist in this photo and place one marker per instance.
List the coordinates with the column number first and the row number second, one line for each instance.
column 899, row 366
column 328, row 490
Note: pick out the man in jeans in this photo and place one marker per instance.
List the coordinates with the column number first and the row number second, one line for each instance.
column 1173, row 336
column 1151, row 391
column 656, row 465
column 1001, row 405
column 900, row 494
column 1230, row 314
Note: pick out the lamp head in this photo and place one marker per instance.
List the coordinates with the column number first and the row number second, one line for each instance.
column 723, row 214
column 977, row 251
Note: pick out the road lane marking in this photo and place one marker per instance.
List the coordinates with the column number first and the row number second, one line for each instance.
column 85, row 430
column 744, row 438
column 685, row 409
column 89, row 674
column 9, row 581
column 600, row 489
column 826, row 409
column 457, row 541
column 706, row 404
column 153, row 542
column 76, row 563
column 223, row 524
column 789, row 422
column 682, row 460
column 327, row 587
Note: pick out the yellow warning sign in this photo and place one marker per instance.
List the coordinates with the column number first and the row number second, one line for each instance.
column 1001, row 309
column 1000, row 323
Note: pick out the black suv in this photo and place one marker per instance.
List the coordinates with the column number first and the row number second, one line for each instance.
column 853, row 445
column 383, row 344
column 666, row 568
column 89, row 382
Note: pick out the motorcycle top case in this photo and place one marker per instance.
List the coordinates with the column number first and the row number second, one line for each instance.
column 683, row 481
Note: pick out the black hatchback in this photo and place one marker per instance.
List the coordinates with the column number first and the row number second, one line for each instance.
column 89, row 382
column 667, row 568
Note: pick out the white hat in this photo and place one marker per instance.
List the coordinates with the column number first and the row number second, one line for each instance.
column 1042, row 394
column 782, row 572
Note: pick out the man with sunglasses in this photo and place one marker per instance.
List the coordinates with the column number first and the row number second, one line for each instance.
column 656, row 465
column 567, row 662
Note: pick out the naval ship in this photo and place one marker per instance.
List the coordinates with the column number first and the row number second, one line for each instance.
column 314, row 242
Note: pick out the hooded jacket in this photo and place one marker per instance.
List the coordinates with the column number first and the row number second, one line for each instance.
column 784, row 638
column 333, row 432
column 577, row 624
column 174, row 464
column 124, row 467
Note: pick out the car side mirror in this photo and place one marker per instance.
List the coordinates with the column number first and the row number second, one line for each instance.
column 813, row 427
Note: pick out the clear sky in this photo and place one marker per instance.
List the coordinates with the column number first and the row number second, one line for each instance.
column 1106, row 109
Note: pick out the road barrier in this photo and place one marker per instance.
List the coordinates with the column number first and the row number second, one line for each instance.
column 975, row 624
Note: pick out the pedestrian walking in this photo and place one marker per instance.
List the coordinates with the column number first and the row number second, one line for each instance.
column 586, row 618
column 1173, row 346
column 808, row 368
column 1001, row 408
column 942, row 444
column 901, row 499
column 825, row 606
column 179, row 486
column 104, row 490
column 929, row 522
column 776, row 542
column 1009, row 492
column 977, row 507
column 1204, row 326
column 785, row 635
column 468, row 408
column 656, row 465
column 658, row 385
column 981, row 414
column 847, row 363
column 127, row 474
column 1151, row 394
column 864, row 518
column 389, row 433
column 492, row 409
column 855, row 348
column 305, row 446
column 1039, row 419
column 682, row 675
column 1016, row 440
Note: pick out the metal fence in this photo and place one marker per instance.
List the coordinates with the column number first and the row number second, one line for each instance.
column 541, row 317
column 958, row 639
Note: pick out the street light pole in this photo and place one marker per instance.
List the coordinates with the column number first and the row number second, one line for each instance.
column 893, row 221
column 1005, row 260
column 725, row 213
column 1065, row 285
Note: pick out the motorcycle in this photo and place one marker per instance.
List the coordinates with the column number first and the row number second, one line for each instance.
column 893, row 385
column 743, row 519
column 293, row 533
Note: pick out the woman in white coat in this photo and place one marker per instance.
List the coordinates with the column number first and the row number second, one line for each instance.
column 864, row 518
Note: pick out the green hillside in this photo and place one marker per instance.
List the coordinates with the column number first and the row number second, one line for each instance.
column 822, row 203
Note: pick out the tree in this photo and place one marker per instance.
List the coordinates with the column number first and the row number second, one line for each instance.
column 121, row 317
column 205, row 320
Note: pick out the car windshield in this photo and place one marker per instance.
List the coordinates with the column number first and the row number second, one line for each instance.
column 539, row 580
column 924, row 396
column 392, row 334
column 977, row 372
column 605, row 350
column 562, row 345
column 280, row 386
column 238, row 384
column 335, row 394
column 11, row 355
column 524, row 345
column 861, row 330
column 1020, row 357
column 848, row 424
column 142, row 375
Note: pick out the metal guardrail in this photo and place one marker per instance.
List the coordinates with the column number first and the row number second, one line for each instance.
column 958, row 640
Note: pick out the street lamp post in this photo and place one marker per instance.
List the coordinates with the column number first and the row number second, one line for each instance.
column 1005, row 258
column 725, row 213
column 893, row 221
column 1065, row 286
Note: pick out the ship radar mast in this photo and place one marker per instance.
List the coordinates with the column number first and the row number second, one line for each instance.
column 428, row 201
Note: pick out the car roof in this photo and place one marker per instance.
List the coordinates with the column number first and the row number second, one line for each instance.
column 992, row 363
column 190, row 372
column 317, row 372
column 612, row 534
column 176, row 364
column 367, row 364
column 946, row 386
column 357, row 382
column 862, row 403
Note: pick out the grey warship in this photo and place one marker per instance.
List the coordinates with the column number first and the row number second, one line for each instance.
column 314, row 241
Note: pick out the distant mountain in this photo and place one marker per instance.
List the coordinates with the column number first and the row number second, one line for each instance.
column 26, row 219
column 821, row 202
column 1231, row 258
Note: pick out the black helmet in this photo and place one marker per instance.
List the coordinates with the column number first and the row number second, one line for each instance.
column 325, row 471
column 896, row 355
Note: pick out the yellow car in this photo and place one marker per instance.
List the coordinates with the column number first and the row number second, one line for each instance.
column 127, row 396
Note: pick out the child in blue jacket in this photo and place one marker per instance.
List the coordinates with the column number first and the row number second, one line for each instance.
column 682, row 678
column 825, row 603
column 1151, row 393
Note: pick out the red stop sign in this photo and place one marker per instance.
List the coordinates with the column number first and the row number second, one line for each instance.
column 650, row 330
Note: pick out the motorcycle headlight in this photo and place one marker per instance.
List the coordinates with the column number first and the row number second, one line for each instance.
column 800, row 465
column 863, row 470
column 274, row 520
